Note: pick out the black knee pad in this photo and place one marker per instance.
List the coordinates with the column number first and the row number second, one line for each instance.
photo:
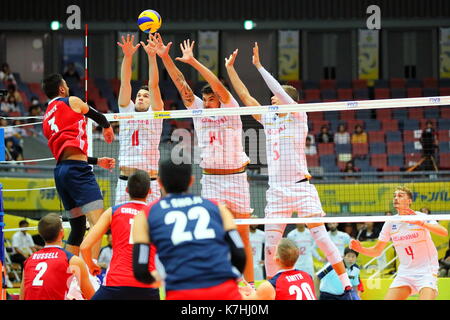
column 78, row 229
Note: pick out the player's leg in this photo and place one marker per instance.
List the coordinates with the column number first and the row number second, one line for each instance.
column 427, row 294
column 398, row 293
column 93, row 217
column 244, row 232
column 274, row 233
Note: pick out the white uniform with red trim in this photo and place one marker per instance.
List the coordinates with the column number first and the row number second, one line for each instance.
column 220, row 143
column 139, row 148
column 417, row 254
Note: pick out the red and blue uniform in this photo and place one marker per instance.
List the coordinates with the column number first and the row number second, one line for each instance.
column 293, row 285
column 119, row 281
column 47, row 275
column 188, row 234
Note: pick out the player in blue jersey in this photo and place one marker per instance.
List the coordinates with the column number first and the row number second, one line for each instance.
column 194, row 237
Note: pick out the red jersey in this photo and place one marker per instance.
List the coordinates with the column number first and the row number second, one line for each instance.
column 47, row 274
column 293, row 285
column 64, row 127
column 120, row 270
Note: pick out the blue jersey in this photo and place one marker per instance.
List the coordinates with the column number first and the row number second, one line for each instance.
column 188, row 233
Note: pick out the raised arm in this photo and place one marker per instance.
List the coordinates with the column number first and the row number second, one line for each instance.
column 162, row 50
column 128, row 50
column 239, row 86
column 271, row 82
column 153, row 75
column 187, row 48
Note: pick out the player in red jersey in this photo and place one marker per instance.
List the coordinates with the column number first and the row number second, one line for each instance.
column 288, row 283
column 48, row 272
column 64, row 126
column 119, row 282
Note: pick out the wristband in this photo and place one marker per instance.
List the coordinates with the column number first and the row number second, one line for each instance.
column 92, row 160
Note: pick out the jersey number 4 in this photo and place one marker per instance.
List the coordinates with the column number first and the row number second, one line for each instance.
column 41, row 267
column 179, row 218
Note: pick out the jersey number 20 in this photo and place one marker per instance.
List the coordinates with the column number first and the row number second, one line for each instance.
column 201, row 230
column 304, row 288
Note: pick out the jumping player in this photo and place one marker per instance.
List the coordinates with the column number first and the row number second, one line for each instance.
column 223, row 159
column 289, row 187
column 139, row 139
column 288, row 283
column 65, row 128
column 119, row 282
column 194, row 237
column 48, row 272
column 418, row 269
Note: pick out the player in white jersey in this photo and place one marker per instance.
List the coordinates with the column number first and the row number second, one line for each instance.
column 223, row 159
column 339, row 238
column 307, row 249
column 257, row 238
column 139, row 139
column 289, row 187
column 417, row 272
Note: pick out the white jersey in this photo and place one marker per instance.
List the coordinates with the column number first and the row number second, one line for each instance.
column 257, row 240
column 307, row 248
column 220, row 139
column 285, row 147
column 413, row 245
column 341, row 240
column 139, row 141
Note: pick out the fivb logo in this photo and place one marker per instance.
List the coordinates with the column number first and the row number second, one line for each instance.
column 273, row 108
column 352, row 104
column 435, row 100
column 197, row 112
column 374, row 21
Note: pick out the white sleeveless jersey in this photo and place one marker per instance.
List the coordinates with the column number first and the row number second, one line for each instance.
column 220, row 139
column 306, row 246
column 257, row 240
column 139, row 141
column 413, row 245
column 285, row 147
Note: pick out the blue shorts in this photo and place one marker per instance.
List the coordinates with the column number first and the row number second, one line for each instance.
column 126, row 293
column 76, row 184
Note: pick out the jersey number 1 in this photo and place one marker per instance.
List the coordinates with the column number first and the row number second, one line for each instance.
column 135, row 138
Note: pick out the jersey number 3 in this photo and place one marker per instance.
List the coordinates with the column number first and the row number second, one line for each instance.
column 201, row 230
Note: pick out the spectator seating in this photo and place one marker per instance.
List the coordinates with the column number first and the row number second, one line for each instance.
column 431, row 112
column 372, row 125
column 360, row 149
column 395, row 147
column 376, row 136
column 379, row 161
column 377, row 148
column 328, row 162
column 325, row 148
column 395, row 160
column 393, row 136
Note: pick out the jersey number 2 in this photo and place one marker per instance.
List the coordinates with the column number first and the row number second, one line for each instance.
column 304, row 288
column 201, row 230
column 42, row 267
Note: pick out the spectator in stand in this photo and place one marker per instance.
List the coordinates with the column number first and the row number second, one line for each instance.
column 425, row 210
column 12, row 91
column 6, row 74
column 388, row 213
column 350, row 167
column 72, row 77
column 324, row 135
column 9, row 105
column 23, row 245
column 350, row 229
column 359, row 136
column 444, row 264
column 369, row 231
column 342, row 136
column 13, row 152
column 310, row 148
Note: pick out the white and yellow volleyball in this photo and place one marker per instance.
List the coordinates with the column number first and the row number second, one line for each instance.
column 149, row 21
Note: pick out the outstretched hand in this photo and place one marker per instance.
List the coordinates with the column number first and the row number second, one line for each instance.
column 106, row 163
column 355, row 245
column 255, row 58
column 108, row 135
column 187, row 48
column 162, row 50
column 151, row 45
column 230, row 61
column 127, row 46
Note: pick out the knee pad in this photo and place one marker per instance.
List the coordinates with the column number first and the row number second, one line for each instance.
column 78, row 229
column 323, row 241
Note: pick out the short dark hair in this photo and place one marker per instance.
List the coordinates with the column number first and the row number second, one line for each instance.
column 348, row 250
column 207, row 89
column 23, row 223
column 175, row 177
column 144, row 87
column 49, row 227
column 138, row 184
column 51, row 84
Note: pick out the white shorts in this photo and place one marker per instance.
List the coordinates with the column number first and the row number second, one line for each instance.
column 301, row 197
column 232, row 189
column 122, row 196
column 416, row 282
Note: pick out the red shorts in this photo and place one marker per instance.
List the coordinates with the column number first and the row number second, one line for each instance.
column 227, row 290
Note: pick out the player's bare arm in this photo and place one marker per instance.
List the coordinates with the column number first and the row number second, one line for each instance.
column 227, row 218
column 22, row 287
column 162, row 50
column 265, row 291
column 79, row 269
column 187, row 48
column 156, row 100
column 94, row 235
column 373, row 251
column 238, row 85
column 432, row 227
column 128, row 49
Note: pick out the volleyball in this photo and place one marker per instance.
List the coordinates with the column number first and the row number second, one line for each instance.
column 149, row 21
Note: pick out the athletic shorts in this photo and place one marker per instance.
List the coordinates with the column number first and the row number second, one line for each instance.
column 231, row 189
column 77, row 187
column 126, row 293
column 122, row 196
column 416, row 282
column 302, row 197
column 227, row 290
